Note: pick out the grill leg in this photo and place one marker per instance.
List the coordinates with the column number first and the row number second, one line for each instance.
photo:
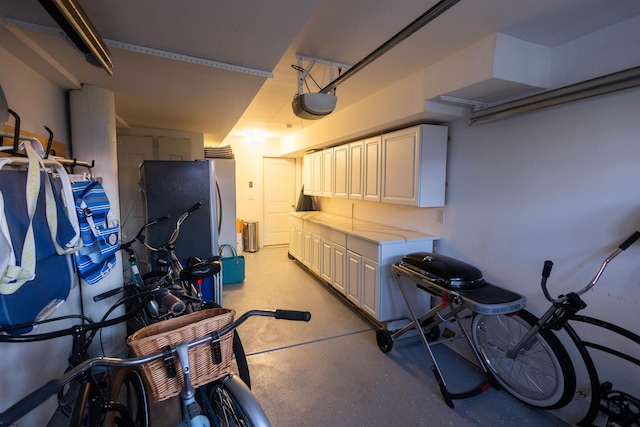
column 437, row 372
column 434, row 364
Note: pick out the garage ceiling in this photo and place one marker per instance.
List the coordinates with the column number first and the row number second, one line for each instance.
column 265, row 36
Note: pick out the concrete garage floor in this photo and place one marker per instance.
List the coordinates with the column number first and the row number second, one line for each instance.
column 330, row 371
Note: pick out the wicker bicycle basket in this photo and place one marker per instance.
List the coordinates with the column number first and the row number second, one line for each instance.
column 153, row 338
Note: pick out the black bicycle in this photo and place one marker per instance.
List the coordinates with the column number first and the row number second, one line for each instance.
column 226, row 401
column 92, row 397
column 524, row 354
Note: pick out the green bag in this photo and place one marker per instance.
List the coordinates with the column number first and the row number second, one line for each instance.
column 232, row 266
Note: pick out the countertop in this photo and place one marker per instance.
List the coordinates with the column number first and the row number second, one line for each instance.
column 374, row 232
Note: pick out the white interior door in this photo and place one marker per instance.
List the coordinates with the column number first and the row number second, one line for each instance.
column 279, row 199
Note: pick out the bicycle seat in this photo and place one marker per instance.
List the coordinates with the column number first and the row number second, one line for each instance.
column 200, row 270
column 445, row 271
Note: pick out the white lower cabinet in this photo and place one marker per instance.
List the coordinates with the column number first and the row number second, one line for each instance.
column 316, row 253
column 339, row 258
column 369, row 288
column 306, row 247
column 326, row 265
column 357, row 267
column 295, row 237
column 354, row 277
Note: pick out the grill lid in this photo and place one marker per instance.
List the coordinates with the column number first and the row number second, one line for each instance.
column 444, row 270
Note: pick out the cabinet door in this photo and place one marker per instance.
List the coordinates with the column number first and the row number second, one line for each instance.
column 371, row 164
column 356, row 184
column 299, row 243
column 316, row 173
column 339, row 256
column 316, row 253
column 414, row 166
column 327, row 173
column 341, row 171
column 326, row 261
column 307, row 247
column 306, row 174
column 369, row 288
column 400, row 161
column 354, row 274
column 293, row 240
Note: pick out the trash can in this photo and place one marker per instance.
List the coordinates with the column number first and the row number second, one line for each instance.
column 250, row 236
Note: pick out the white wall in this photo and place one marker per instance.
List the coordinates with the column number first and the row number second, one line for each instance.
column 36, row 100
column 30, row 365
column 560, row 184
column 249, row 154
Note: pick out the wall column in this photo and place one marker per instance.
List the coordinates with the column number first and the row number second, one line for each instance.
column 93, row 138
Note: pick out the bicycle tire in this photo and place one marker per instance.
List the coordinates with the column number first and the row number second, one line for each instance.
column 542, row 374
column 127, row 389
column 232, row 404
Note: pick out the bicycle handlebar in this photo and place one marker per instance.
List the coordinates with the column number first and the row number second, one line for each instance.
column 139, row 236
column 172, row 303
column 176, row 231
column 194, row 208
column 85, row 327
column 546, row 270
column 39, row 396
column 635, row 236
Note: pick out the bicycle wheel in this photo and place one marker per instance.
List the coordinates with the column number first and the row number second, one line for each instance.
column 541, row 375
column 230, row 403
column 127, row 400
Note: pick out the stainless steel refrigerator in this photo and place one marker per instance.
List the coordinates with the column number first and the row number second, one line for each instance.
column 172, row 187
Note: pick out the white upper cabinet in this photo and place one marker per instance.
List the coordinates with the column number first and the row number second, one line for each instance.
column 371, row 165
column 406, row 167
column 312, row 174
column 413, row 166
column 327, row 173
column 341, row 171
column 356, row 185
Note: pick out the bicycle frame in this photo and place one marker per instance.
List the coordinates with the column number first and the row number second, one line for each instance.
column 172, row 263
column 599, row 390
column 192, row 417
column 564, row 309
column 89, row 391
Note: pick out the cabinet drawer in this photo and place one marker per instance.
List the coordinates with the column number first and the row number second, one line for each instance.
column 313, row 227
column 336, row 237
column 293, row 220
column 363, row 247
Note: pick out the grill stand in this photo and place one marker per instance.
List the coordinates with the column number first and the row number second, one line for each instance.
column 488, row 299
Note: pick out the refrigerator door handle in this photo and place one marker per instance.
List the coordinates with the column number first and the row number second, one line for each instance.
column 218, row 206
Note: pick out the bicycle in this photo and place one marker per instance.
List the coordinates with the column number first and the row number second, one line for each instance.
column 93, row 397
column 234, row 404
column 186, row 277
column 526, row 357
column 171, row 299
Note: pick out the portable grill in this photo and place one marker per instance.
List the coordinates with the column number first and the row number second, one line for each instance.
column 460, row 286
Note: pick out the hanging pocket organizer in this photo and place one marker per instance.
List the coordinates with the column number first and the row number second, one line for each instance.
column 38, row 234
column 99, row 230
column 232, row 266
